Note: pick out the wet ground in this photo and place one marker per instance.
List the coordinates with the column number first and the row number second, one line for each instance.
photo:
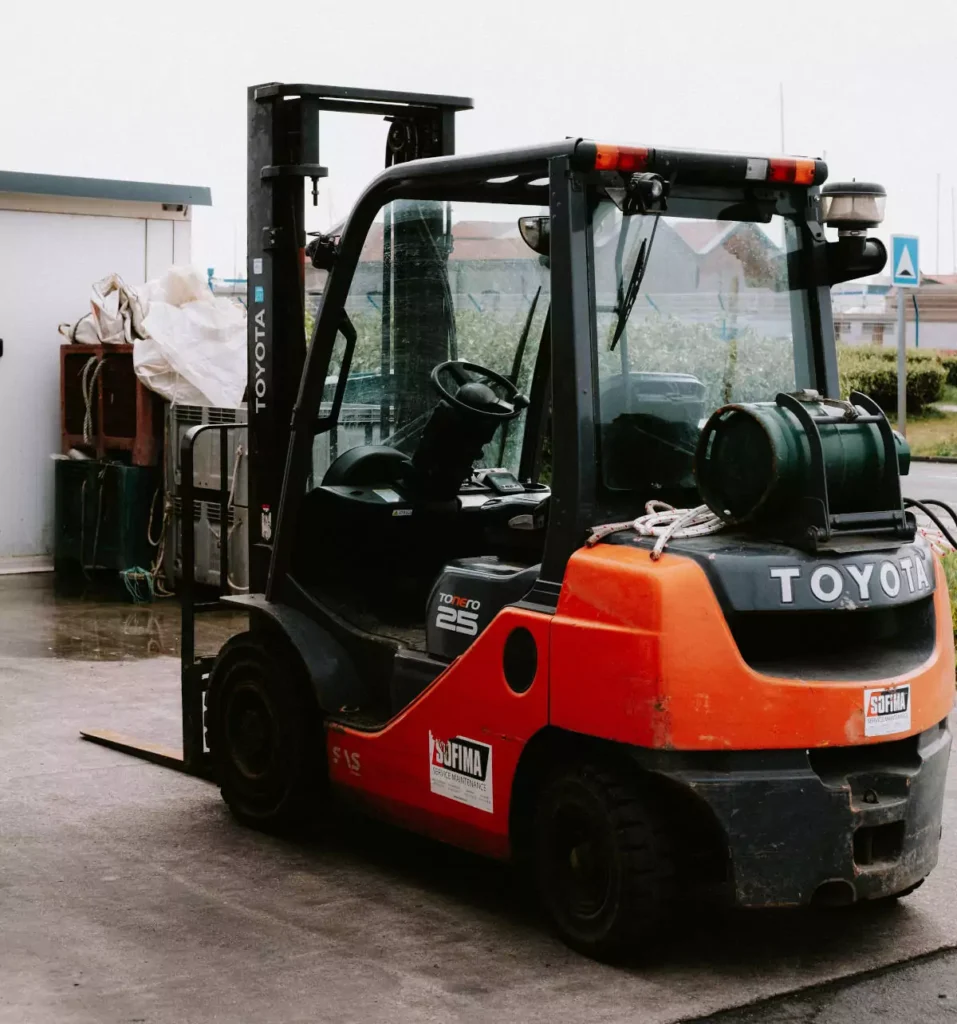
column 128, row 894
column 92, row 621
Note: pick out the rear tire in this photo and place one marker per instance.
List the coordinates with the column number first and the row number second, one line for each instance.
column 605, row 864
column 264, row 736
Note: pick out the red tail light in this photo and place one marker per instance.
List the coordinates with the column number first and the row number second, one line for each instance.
column 620, row 158
column 791, row 171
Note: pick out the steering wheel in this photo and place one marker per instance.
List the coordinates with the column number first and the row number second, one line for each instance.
column 477, row 390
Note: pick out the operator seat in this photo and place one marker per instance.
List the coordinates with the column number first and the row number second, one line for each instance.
column 367, row 464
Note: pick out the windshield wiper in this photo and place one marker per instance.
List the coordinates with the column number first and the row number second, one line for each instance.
column 626, row 299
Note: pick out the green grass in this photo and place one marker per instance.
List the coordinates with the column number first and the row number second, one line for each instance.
column 949, row 395
column 933, row 433
column 950, row 571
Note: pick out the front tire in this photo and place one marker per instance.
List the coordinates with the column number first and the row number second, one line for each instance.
column 605, row 863
column 264, row 736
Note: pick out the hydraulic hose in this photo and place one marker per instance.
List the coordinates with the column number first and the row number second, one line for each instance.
column 923, row 506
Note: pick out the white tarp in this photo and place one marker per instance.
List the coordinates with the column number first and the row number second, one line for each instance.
column 188, row 345
column 115, row 316
column 193, row 351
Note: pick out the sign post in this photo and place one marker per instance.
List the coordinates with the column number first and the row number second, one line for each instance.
column 905, row 269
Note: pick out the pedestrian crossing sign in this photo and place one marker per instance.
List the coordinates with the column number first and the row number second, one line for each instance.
column 905, row 263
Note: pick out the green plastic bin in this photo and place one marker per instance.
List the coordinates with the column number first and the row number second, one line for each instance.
column 102, row 515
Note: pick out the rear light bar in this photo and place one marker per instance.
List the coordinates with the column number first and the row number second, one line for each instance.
column 692, row 166
column 791, row 171
column 620, row 158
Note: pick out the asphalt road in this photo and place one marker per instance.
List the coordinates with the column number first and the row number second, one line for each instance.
column 931, row 480
column 921, row 992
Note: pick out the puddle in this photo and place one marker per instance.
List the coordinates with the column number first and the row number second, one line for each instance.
column 40, row 618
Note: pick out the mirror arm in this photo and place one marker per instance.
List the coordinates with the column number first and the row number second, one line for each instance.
column 853, row 256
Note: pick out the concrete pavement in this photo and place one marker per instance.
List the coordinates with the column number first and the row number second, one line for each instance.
column 128, row 894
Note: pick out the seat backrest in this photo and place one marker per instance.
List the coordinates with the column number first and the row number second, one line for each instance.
column 367, row 464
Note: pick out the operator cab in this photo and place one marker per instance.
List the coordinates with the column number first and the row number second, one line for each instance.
column 685, row 282
column 427, row 506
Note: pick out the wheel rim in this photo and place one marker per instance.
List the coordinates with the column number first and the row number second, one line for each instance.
column 580, row 863
column 250, row 732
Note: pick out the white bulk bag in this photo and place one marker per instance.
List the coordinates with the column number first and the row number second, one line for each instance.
column 193, row 351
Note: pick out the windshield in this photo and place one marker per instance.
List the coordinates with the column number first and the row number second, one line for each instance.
column 692, row 313
column 435, row 281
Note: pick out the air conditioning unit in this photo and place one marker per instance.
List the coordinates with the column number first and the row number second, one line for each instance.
column 208, row 528
column 179, row 419
column 208, row 531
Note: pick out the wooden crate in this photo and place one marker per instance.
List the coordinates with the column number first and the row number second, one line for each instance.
column 126, row 416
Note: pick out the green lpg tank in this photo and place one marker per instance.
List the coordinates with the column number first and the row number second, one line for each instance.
column 758, row 462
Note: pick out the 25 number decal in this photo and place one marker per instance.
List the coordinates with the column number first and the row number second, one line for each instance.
column 458, row 620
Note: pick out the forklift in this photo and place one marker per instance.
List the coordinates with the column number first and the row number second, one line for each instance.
column 464, row 619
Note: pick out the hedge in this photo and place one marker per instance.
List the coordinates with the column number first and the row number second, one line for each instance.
column 949, row 362
column 749, row 368
column 873, row 370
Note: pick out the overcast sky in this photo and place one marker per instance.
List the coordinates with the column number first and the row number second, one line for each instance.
column 156, row 92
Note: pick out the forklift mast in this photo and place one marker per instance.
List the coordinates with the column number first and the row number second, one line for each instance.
column 283, row 151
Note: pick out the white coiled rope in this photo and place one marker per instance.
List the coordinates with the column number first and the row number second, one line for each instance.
column 666, row 523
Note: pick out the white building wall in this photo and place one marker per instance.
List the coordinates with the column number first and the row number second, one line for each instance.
column 52, row 249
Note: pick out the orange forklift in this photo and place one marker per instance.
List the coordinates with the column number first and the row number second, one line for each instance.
column 464, row 618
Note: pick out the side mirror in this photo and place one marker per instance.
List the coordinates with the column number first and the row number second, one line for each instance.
column 852, row 207
column 536, row 233
column 853, row 256
column 323, row 251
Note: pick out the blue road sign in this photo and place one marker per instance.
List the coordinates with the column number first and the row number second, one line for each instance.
column 905, row 261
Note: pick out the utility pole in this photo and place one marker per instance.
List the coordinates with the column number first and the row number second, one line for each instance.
column 937, row 253
column 901, row 363
column 953, row 231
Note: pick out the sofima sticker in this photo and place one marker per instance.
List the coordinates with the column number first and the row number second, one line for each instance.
column 887, row 711
column 460, row 769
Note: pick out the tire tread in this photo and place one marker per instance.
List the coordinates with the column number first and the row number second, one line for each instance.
column 306, row 791
column 648, row 876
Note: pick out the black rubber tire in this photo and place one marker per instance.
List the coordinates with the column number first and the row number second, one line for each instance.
column 605, row 864
column 264, row 736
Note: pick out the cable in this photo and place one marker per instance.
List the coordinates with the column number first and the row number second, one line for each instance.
column 99, row 513
column 133, row 579
column 99, row 518
column 240, row 451
column 922, row 505
column 949, row 509
column 665, row 522
column 157, row 568
column 87, row 385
